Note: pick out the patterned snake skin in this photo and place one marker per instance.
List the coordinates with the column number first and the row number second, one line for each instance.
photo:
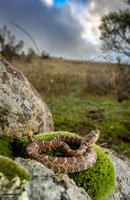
column 75, row 160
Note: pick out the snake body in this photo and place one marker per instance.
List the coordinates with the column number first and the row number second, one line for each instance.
column 76, row 160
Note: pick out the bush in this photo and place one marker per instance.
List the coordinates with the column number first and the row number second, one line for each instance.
column 9, row 48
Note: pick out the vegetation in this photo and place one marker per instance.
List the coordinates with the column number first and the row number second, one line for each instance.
column 83, row 96
column 8, row 46
column 44, row 55
column 59, row 76
column 10, row 169
column 6, row 147
column 115, row 32
column 93, row 112
column 11, row 49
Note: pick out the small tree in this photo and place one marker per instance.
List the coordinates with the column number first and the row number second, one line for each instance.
column 8, row 47
column 44, row 55
column 31, row 54
column 115, row 32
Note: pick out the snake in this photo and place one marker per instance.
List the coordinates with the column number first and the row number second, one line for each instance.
column 74, row 160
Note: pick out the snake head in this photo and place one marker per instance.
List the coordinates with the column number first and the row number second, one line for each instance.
column 92, row 137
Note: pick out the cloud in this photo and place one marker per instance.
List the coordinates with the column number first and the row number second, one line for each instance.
column 90, row 18
column 69, row 31
column 89, row 22
column 47, row 2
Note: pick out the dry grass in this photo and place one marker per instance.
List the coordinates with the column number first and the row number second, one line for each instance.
column 56, row 76
column 61, row 66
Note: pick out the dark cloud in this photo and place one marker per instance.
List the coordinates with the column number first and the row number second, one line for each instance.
column 56, row 30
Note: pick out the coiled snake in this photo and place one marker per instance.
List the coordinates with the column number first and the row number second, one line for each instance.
column 75, row 160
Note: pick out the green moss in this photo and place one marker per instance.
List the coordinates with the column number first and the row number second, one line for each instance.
column 5, row 146
column 10, row 169
column 98, row 181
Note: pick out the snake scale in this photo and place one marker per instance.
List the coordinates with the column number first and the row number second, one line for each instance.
column 74, row 161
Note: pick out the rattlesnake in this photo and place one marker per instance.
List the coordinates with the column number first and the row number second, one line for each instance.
column 75, row 160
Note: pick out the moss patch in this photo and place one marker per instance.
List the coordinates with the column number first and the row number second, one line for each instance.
column 10, row 169
column 98, row 181
column 6, row 147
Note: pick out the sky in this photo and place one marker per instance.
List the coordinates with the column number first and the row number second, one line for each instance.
column 63, row 28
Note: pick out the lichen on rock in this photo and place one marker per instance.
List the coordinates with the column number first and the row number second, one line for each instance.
column 13, row 189
column 21, row 107
column 122, row 167
column 46, row 185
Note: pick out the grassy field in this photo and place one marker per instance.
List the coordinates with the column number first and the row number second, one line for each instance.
column 83, row 96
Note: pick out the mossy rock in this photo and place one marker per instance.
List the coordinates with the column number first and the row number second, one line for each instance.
column 10, row 169
column 98, row 181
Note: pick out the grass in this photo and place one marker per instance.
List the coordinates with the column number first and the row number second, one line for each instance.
column 81, row 114
column 55, row 76
column 83, row 96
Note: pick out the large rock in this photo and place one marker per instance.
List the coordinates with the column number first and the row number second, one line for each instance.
column 14, row 189
column 46, row 185
column 21, row 108
column 122, row 169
